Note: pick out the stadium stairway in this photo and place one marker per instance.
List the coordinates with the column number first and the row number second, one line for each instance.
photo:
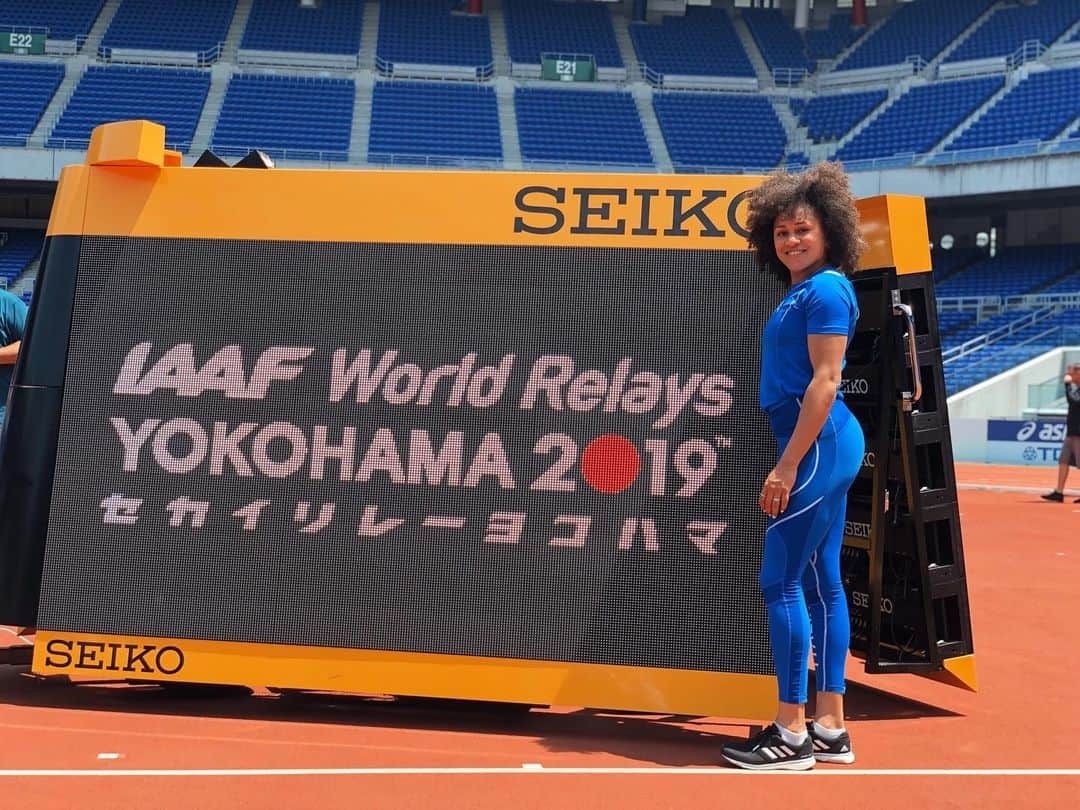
column 1070, row 32
column 976, row 24
column 220, row 74
column 369, row 36
column 824, row 67
column 361, row 122
column 896, row 92
column 100, row 26
column 1071, row 131
column 626, row 47
column 500, row 50
column 798, row 140
column 1011, row 80
column 26, row 280
column 74, row 67
column 761, row 68
column 642, row 93
column 508, row 129
column 236, row 30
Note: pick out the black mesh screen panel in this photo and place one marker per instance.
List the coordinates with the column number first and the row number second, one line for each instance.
column 523, row 452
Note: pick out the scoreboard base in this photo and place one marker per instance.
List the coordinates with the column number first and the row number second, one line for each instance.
column 597, row 686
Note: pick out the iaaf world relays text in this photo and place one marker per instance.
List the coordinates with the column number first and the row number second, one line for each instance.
column 413, row 456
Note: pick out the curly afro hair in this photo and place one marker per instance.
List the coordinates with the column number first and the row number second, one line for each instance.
column 824, row 190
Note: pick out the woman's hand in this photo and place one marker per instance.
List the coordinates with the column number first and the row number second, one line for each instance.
column 777, row 489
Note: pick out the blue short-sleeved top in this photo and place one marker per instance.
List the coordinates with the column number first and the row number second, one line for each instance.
column 12, row 325
column 824, row 304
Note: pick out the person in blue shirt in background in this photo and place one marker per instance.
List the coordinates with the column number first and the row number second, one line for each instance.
column 12, row 325
column 804, row 228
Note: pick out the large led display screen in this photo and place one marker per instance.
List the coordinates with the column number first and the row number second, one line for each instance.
column 517, row 451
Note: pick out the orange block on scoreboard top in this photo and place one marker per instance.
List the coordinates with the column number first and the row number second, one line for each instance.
column 896, row 234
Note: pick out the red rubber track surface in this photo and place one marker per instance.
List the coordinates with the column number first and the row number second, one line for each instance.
column 1023, row 562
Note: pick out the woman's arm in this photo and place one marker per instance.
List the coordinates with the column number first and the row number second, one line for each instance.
column 10, row 353
column 826, row 356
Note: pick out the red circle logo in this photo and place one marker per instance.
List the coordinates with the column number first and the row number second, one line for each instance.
column 610, row 463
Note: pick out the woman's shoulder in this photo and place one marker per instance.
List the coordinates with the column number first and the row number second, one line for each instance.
column 831, row 280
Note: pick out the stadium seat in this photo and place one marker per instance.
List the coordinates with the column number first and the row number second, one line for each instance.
column 17, row 251
column 433, row 122
column 27, row 90
column 709, row 131
column 1036, row 109
column 922, row 28
column 173, row 97
column 427, row 32
column 702, row 42
column 829, row 118
column 301, row 117
column 64, row 19
column 920, row 118
column 580, row 126
column 1008, row 28
column 826, row 43
column 534, row 27
column 1013, row 271
column 780, row 45
column 284, row 25
column 193, row 26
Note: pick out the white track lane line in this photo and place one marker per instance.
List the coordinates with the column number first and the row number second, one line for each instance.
column 265, row 772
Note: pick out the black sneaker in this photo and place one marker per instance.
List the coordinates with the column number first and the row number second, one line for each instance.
column 1055, row 496
column 838, row 750
column 767, row 751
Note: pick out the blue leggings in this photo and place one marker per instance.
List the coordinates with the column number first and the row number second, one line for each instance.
column 800, row 572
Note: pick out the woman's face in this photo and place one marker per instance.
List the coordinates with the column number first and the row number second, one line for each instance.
column 799, row 242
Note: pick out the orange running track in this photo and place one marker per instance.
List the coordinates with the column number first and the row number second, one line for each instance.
column 919, row 744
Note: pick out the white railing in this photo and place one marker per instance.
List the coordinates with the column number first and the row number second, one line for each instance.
column 1036, row 300
column 789, row 76
column 1031, row 50
column 963, row 303
column 982, row 341
column 918, row 64
column 160, row 57
column 450, row 73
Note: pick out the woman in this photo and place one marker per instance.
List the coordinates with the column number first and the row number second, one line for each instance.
column 804, row 229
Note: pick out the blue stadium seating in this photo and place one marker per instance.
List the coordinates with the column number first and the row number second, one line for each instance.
column 1024, row 344
column 286, row 116
column 284, row 25
column 171, row 97
column 947, row 262
column 425, row 32
column 1068, row 284
column 710, row 130
column 950, row 321
column 829, row 118
column 27, row 89
column 580, row 126
column 65, row 19
column 1013, row 271
column 21, row 248
column 923, row 27
column 545, row 26
column 796, row 161
column 191, row 26
column 433, row 122
column 920, row 118
column 701, row 43
column 1009, row 27
column 1036, row 109
column 826, row 43
column 778, row 42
